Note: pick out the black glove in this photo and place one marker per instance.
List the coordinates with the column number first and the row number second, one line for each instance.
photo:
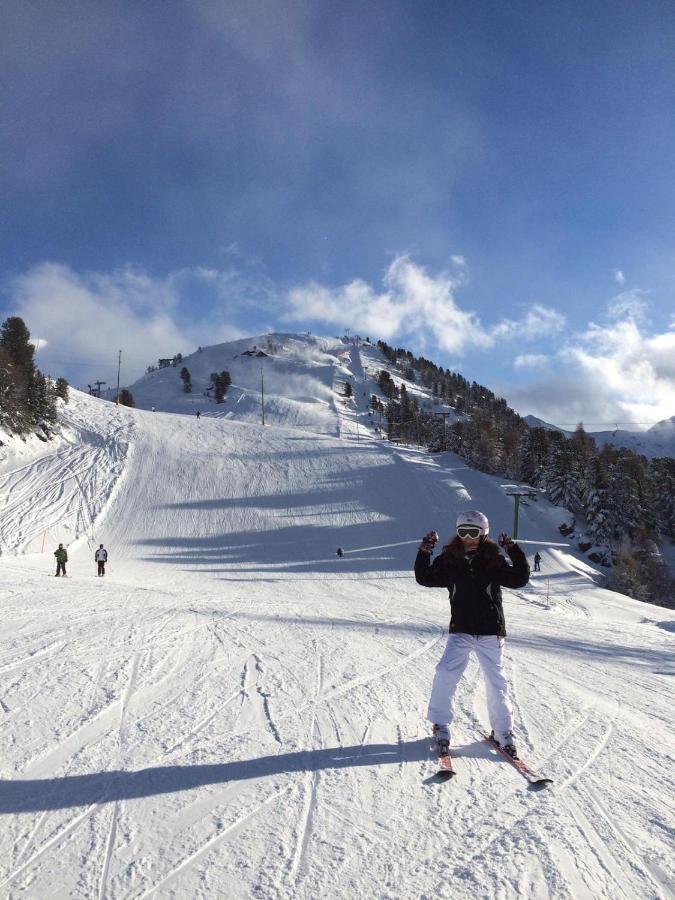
column 429, row 541
column 505, row 541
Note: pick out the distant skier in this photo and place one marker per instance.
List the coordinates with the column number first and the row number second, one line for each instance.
column 471, row 567
column 101, row 557
column 198, row 414
column 340, row 552
column 537, row 560
column 61, row 555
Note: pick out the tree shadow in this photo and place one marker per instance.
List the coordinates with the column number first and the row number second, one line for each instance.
column 609, row 650
column 293, row 550
column 360, row 510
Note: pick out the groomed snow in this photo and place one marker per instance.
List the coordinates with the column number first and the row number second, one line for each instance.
column 233, row 711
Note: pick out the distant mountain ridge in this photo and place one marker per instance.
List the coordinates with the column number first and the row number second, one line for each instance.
column 657, row 441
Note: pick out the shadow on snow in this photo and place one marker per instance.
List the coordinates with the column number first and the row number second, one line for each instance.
column 107, row 787
column 358, row 510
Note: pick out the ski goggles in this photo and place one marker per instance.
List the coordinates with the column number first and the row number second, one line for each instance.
column 468, row 531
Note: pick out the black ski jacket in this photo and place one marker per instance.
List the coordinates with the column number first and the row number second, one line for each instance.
column 475, row 584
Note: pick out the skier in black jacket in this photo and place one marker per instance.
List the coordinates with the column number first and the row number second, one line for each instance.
column 474, row 572
column 101, row 558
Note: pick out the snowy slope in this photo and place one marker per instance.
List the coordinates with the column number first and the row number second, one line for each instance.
column 299, row 373
column 235, row 712
column 304, row 378
column 54, row 492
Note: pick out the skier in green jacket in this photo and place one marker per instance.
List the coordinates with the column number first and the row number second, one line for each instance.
column 61, row 559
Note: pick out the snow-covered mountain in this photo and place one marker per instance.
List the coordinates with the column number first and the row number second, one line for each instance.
column 302, row 377
column 534, row 422
column 234, row 711
column 656, row 441
column 298, row 374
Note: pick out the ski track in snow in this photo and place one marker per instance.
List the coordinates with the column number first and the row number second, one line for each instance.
column 309, row 789
column 232, row 711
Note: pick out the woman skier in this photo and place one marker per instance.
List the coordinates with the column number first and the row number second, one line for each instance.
column 473, row 570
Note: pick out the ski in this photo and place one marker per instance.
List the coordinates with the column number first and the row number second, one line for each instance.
column 445, row 769
column 519, row 764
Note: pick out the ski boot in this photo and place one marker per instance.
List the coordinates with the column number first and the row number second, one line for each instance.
column 441, row 735
column 507, row 743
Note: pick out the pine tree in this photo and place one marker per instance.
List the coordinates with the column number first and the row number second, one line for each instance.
column 221, row 382
column 510, row 454
column 481, row 446
column 563, row 481
column 126, row 398
column 18, row 370
column 662, row 479
column 596, row 507
column 387, row 385
column 186, row 379
column 42, row 399
column 12, row 412
column 584, row 452
column 218, row 392
column 626, row 576
column 625, row 495
column 62, row 389
column 15, row 339
column 641, row 572
column 23, row 393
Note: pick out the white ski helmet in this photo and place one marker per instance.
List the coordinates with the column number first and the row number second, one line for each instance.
column 473, row 517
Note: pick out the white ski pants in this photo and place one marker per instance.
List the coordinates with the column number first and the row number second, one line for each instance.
column 490, row 652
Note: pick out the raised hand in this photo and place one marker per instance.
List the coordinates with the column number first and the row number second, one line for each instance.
column 429, row 541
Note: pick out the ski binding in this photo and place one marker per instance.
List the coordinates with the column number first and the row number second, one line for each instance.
column 526, row 771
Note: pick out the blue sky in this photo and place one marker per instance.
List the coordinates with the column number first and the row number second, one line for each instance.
column 491, row 185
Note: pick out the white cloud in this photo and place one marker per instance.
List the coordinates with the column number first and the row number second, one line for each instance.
column 629, row 305
column 414, row 304
column 539, row 321
column 619, row 277
column 606, row 374
column 530, row 361
column 637, row 369
column 81, row 321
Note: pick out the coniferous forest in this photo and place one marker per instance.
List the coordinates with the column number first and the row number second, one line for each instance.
column 27, row 397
